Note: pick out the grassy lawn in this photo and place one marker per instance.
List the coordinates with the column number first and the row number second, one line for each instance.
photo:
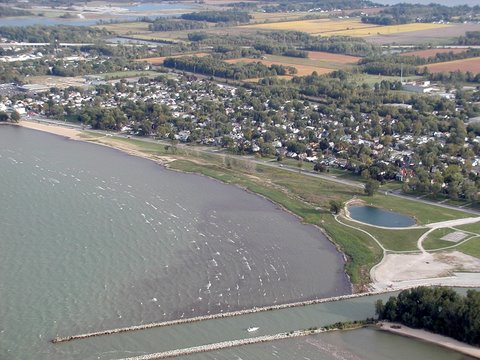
column 433, row 241
column 372, row 79
column 126, row 74
column 395, row 240
column 423, row 213
column 474, row 228
column 471, row 247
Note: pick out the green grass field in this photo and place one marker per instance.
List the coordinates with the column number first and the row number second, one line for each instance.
column 471, row 247
column 126, row 74
column 433, row 240
column 394, row 240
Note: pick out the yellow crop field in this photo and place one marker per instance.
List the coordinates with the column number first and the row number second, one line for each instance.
column 315, row 27
column 302, row 70
column 387, row 30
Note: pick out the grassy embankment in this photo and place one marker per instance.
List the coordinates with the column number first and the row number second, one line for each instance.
column 304, row 196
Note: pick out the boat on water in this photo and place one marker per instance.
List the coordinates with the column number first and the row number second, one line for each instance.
column 252, row 329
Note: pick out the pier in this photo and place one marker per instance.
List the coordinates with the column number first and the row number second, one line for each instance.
column 226, row 344
column 213, row 316
column 226, row 315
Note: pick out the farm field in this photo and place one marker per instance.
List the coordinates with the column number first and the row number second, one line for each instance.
column 430, row 36
column 432, row 52
column 125, row 28
column 314, row 27
column 159, row 59
column 472, row 65
column 334, row 58
column 302, row 70
column 386, row 30
column 261, row 17
column 57, row 81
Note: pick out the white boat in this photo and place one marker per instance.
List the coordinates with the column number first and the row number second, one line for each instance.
column 252, row 329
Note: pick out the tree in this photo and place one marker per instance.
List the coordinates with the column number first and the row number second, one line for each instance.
column 3, row 116
column 371, row 187
column 335, row 206
column 15, row 116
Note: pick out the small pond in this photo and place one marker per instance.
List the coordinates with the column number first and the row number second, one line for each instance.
column 376, row 216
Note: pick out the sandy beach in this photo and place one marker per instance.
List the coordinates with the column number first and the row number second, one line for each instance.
column 104, row 140
column 70, row 133
column 431, row 338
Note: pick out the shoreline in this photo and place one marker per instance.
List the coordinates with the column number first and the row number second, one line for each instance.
column 429, row 337
column 377, row 282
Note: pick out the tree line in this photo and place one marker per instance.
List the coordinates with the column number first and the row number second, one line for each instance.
column 404, row 13
column 61, row 33
column 176, row 25
column 212, row 66
column 299, row 5
column 229, row 16
column 8, row 11
column 440, row 310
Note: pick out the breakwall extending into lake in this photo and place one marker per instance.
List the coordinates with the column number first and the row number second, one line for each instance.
column 214, row 316
column 227, row 344
column 227, row 314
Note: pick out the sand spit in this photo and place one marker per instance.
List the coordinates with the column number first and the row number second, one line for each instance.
column 431, row 338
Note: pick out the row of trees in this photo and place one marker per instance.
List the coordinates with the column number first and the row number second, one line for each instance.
column 394, row 65
column 12, row 117
column 294, row 42
column 440, row 310
column 470, row 38
column 8, row 11
column 61, row 33
column 212, row 66
column 229, row 16
column 298, row 5
column 404, row 13
column 176, row 25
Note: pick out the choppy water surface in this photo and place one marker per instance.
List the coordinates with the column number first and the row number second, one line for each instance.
column 91, row 238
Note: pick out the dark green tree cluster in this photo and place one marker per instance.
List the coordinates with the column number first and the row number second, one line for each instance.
column 61, row 33
column 440, row 310
column 343, row 45
column 209, row 65
column 298, row 5
column 176, row 25
column 470, row 38
column 394, row 65
column 9, row 11
column 229, row 16
column 404, row 13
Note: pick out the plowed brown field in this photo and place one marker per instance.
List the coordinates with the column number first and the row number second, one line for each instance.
column 432, row 52
column 472, row 65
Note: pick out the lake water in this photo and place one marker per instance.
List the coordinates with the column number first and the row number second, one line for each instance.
column 376, row 216
column 173, row 10
column 363, row 344
column 91, row 239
